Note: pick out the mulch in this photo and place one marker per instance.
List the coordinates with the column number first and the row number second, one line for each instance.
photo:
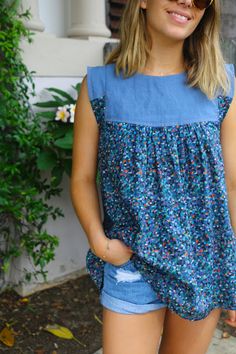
column 74, row 305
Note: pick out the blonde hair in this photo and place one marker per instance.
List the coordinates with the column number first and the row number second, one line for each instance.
column 202, row 52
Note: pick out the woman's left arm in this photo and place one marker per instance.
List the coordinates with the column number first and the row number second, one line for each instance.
column 228, row 142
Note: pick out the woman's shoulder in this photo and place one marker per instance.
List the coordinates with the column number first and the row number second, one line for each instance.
column 96, row 80
column 100, row 70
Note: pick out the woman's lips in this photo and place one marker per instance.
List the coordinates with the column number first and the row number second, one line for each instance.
column 178, row 18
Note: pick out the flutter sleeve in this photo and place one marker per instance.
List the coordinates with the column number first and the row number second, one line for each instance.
column 96, row 90
column 224, row 101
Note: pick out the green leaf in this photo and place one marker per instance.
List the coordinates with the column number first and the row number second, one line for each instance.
column 66, row 142
column 59, row 101
column 62, row 93
column 3, row 202
column 57, row 173
column 77, row 87
column 14, row 4
column 47, row 104
column 68, row 166
column 63, row 144
column 61, row 130
column 48, row 115
column 46, row 160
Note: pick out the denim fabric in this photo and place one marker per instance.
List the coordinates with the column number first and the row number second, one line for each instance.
column 125, row 291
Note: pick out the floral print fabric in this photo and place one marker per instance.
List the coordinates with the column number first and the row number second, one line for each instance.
column 164, row 195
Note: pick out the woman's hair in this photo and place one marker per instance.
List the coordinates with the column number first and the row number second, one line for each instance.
column 203, row 56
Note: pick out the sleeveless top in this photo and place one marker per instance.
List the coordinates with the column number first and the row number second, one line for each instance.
column 163, row 186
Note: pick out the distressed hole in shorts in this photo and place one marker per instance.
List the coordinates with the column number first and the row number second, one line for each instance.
column 127, row 275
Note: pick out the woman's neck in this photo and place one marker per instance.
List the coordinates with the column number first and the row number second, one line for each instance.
column 166, row 58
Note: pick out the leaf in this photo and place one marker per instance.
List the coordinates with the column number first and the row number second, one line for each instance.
column 39, row 351
column 24, row 300
column 62, row 93
column 46, row 160
column 48, row 115
column 68, row 166
column 47, row 104
column 61, row 332
column 59, row 101
column 57, row 173
column 77, row 87
column 62, row 130
column 66, row 142
column 14, row 5
column 97, row 318
column 7, row 337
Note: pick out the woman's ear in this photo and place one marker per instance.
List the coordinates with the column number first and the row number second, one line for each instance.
column 143, row 4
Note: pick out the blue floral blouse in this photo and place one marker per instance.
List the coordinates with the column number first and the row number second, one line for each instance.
column 163, row 186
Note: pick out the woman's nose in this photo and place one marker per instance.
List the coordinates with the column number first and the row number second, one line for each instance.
column 185, row 2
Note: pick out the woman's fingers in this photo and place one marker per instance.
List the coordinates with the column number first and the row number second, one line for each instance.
column 231, row 320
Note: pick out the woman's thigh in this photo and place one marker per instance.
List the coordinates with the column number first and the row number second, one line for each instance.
column 181, row 336
column 132, row 315
column 132, row 333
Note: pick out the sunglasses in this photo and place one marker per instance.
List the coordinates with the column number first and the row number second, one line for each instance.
column 202, row 4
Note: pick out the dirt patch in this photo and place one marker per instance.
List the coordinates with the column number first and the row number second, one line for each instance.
column 74, row 304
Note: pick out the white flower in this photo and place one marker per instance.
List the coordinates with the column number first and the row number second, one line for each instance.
column 72, row 112
column 62, row 114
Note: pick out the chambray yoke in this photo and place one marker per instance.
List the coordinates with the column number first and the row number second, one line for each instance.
column 163, row 187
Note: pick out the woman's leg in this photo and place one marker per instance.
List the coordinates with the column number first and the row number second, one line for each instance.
column 132, row 333
column 182, row 336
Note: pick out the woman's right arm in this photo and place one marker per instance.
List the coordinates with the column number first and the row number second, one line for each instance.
column 84, row 192
column 83, row 188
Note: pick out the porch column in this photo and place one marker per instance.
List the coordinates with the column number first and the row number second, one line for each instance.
column 34, row 23
column 87, row 18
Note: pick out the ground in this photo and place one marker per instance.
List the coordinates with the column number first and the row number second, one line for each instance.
column 74, row 304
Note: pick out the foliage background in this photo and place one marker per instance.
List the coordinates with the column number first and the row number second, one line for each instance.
column 25, row 194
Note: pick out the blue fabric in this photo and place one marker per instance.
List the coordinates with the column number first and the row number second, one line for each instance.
column 130, row 295
column 163, row 187
column 95, row 81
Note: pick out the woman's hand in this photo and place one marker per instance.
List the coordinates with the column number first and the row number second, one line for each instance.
column 117, row 254
column 231, row 320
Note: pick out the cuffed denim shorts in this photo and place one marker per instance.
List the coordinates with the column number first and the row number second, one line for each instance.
column 125, row 291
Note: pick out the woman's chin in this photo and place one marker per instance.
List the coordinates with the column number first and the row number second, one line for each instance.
column 176, row 35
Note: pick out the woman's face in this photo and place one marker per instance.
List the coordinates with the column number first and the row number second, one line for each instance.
column 174, row 19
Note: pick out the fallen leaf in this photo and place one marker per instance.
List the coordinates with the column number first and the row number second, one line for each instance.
column 62, row 332
column 7, row 336
column 97, row 318
column 57, row 305
column 39, row 351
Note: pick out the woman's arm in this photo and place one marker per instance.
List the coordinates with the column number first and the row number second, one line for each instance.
column 228, row 141
column 84, row 192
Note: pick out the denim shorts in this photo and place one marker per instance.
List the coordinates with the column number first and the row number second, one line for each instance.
column 125, row 291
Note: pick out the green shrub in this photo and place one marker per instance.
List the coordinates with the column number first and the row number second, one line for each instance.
column 24, row 193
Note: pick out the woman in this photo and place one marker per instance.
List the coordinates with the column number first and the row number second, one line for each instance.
column 160, row 119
